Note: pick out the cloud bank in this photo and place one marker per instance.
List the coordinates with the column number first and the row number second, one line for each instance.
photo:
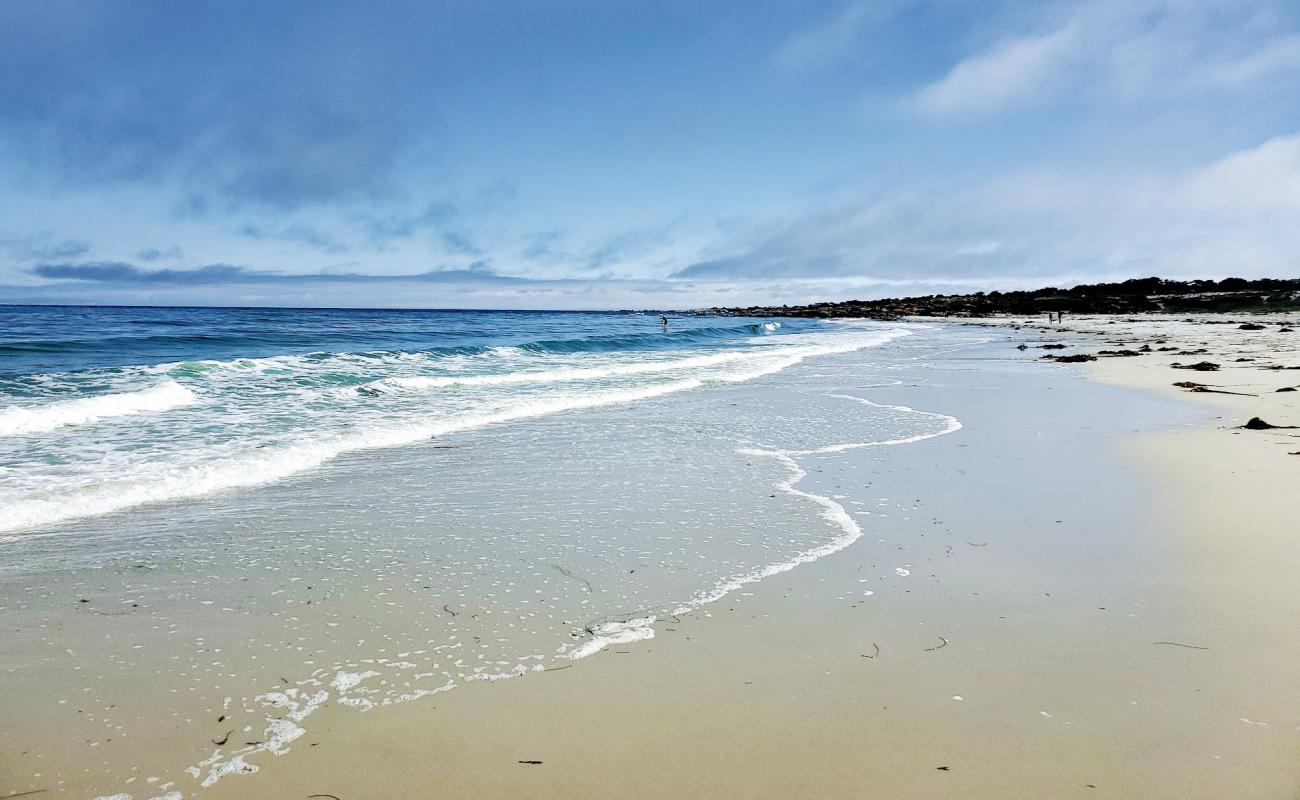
column 579, row 156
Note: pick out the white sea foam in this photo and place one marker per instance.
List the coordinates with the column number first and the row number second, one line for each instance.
column 281, row 732
column 951, row 425
column 562, row 375
column 263, row 465
column 21, row 420
column 161, row 480
column 346, row 680
column 611, row 633
column 831, row 511
column 291, row 706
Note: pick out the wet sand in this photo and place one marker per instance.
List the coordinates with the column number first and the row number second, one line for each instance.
column 1084, row 593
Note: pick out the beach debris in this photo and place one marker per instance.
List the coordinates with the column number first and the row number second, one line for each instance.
column 942, row 644
column 1057, row 346
column 1114, row 353
column 529, row 761
column 449, row 611
column 23, row 794
column 877, row 653
column 586, row 583
column 1250, row 326
column 1200, row 366
column 1074, row 358
column 1180, row 644
column 333, row 796
column 223, row 739
column 1193, row 386
column 1022, row 346
column 1287, row 389
column 942, row 769
column 978, row 544
column 1257, row 424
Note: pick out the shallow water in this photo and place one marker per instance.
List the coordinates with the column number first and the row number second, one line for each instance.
column 96, row 417
column 380, row 575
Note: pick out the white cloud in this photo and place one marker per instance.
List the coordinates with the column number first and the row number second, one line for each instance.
column 1232, row 216
column 829, row 40
column 1263, row 180
column 1132, row 51
column 1013, row 71
column 1281, row 55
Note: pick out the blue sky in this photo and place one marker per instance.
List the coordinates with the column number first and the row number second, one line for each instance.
column 617, row 154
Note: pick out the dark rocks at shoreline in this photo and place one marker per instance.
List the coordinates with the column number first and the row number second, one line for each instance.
column 1257, row 424
column 1200, row 366
column 1076, row 358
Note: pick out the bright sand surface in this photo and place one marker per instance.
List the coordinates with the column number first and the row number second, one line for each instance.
column 1090, row 591
column 1086, row 591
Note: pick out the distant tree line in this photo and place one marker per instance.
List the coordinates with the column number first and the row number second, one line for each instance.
column 1126, row 297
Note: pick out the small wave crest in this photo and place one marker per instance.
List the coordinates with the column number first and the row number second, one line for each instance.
column 250, row 461
column 561, row 375
column 22, row 420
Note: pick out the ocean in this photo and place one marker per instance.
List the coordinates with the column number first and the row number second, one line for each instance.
column 252, row 515
column 107, row 408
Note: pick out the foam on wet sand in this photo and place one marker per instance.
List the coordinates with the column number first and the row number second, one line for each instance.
column 995, row 576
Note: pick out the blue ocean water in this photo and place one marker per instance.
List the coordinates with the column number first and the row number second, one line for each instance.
column 43, row 339
column 251, row 500
column 103, row 409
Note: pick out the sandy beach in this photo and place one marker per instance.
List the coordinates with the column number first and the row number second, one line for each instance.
column 1127, row 634
column 1104, row 609
column 1085, row 591
column 839, row 399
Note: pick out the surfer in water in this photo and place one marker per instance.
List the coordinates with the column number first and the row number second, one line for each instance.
column 663, row 320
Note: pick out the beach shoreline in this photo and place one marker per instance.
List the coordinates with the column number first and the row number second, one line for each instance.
column 1057, row 600
column 787, row 691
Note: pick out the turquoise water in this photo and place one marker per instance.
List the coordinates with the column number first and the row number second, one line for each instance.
column 243, row 519
column 104, row 409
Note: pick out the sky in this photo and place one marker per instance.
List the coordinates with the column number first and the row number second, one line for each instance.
column 618, row 154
